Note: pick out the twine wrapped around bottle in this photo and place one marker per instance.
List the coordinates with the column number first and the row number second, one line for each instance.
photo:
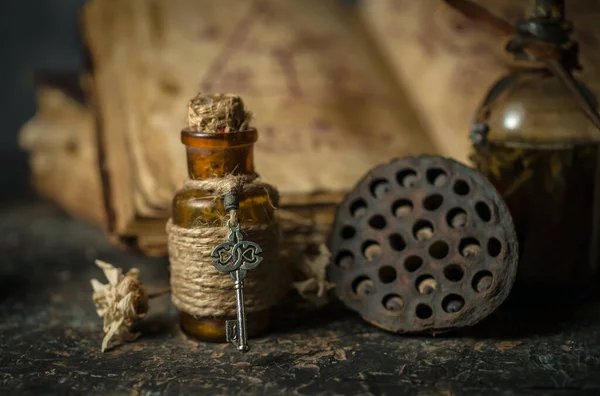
column 198, row 288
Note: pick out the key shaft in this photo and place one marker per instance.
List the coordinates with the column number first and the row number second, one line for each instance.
column 242, row 337
column 236, row 257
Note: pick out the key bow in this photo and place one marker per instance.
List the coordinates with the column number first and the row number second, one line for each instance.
column 236, row 253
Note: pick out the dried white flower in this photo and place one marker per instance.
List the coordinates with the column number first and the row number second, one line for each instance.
column 121, row 302
column 314, row 288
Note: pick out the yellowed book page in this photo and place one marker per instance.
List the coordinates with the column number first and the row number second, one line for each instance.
column 61, row 143
column 325, row 111
column 105, row 33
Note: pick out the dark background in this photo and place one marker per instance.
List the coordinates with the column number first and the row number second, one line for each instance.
column 35, row 35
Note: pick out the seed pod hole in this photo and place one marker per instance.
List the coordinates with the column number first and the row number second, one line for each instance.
column 348, row 232
column 437, row 177
column 482, row 281
column 483, row 211
column 423, row 230
column 494, row 247
column 387, row 274
column 407, row 177
column 363, row 286
column 433, row 202
column 344, row 259
column 439, row 250
column 358, row 208
column 457, row 218
column 453, row 303
column 397, row 242
column 380, row 187
column 377, row 221
column 413, row 263
column 469, row 247
column 453, row 272
column 461, row 187
column 426, row 284
column 402, row 207
column 371, row 250
column 423, row 311
column 393, row 303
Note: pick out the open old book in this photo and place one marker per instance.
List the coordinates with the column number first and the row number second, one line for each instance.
column 335, row 91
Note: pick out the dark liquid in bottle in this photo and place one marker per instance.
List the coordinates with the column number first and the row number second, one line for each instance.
column 551, row 196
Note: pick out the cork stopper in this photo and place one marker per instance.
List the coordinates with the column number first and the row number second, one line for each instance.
column 218, row 113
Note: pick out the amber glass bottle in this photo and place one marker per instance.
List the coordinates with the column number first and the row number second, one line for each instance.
column 214, row 155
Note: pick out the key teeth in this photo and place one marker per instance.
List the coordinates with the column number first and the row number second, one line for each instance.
column 231, row 333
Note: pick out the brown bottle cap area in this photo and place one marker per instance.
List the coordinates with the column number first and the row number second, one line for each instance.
column 194, row 138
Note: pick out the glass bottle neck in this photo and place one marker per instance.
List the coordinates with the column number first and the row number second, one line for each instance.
column 549, row 9
column 207, row 163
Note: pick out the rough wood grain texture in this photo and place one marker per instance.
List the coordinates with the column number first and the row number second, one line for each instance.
column 63, row 156
column 325, row 107
column 50, row 338
column 448, row 62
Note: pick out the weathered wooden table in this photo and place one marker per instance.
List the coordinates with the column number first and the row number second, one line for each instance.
column 50, row 337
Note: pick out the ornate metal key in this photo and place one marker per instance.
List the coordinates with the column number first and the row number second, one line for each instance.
column 236, row 257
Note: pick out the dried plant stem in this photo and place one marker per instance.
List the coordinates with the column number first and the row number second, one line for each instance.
column 159, row 292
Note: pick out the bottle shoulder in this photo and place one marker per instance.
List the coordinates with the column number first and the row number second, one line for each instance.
column 192, row 208
column 535, row 107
